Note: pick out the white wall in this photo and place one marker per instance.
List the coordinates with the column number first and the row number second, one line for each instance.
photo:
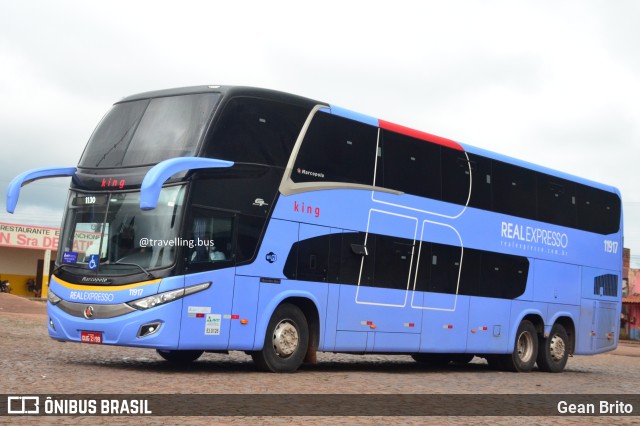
column 20, row 261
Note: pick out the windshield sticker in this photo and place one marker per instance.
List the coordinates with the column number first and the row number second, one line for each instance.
column 70, row 257
column 212, row 325
column 93, row 262
column 198, row 311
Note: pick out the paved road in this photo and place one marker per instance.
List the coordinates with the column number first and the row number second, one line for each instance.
column 30, row 362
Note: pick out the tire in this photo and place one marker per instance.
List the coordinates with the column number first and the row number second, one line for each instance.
column 285, row 342
column 179, row 357
column 525, row 349
column 553, row 352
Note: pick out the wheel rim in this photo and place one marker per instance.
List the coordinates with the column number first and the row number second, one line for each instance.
column 557, row 348
column 525, row 347
column 285, row 338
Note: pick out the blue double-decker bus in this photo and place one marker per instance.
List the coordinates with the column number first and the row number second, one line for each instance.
column 230, row 218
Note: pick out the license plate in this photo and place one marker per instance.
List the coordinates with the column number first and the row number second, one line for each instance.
column 91, row 337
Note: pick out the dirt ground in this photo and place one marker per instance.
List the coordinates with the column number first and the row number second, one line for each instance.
column 31, row 362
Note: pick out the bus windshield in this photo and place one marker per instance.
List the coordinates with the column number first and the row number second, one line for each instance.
column 109, row 233
column 146, row 131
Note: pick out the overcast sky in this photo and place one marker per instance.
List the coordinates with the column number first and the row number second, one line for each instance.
column 552, row 82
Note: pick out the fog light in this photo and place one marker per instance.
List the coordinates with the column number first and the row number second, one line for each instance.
column 51, row 324
column 149, row 329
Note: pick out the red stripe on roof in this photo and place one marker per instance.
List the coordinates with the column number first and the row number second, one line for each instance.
column 419, row 135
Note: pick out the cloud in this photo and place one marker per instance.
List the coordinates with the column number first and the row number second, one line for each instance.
column 556, row 83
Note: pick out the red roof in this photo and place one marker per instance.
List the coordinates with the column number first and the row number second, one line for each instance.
column 631, row 299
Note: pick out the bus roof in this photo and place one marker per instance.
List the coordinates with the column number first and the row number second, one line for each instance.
column 234, row 91
column 226, row 91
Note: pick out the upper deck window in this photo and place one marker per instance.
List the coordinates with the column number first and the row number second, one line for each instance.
column 253, row 130
column 336, row 149
column 149, row 131
column 410, row 165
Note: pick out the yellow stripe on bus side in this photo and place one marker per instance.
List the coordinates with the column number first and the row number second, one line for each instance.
column 102, row 287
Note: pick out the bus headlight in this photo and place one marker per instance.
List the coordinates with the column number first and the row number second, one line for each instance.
column 53, row 298
column 167, row 296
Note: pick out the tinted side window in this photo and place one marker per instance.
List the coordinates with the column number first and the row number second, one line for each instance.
column 335, row 254
column 445, row 268
column 514, row 190
column 253, row 130
column 336, row 149
column 411, row 165
column 503, row 276
column 556, row 201
column 483, row 273
column 470, row 273
column 337, row 258
column 423, row 277
column 249, row 230
column 438, row 268
column 326, row 258
column 481, row 179
column 239, row 189
column 211, row 235
column 313, row 259
column 598, row 211
column 456, row 176
column 392, row 261
column 350, row 261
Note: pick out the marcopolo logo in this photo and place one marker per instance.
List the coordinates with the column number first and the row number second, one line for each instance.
column 89, row 312
column 95, row 280
column 310, row 173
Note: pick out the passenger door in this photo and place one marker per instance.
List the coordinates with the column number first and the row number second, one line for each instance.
column 209, row 256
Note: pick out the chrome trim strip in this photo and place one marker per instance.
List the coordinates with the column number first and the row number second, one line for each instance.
column 289, row 187
column 99, row 311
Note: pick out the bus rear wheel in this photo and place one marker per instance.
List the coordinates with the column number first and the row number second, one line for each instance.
column 285, row 342
column 554, row 350
column 179, row 357
column 525, row 350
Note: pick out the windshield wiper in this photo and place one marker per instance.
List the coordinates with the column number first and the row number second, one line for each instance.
column 70, row 265
column 149, row 274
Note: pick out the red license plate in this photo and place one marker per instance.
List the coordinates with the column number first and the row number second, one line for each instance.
column 91, row 337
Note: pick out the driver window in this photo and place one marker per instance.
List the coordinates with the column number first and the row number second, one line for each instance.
column 210, row 239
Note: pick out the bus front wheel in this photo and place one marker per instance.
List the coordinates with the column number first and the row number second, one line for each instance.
column 554, row 350
column 286, row 341
column 525, row 349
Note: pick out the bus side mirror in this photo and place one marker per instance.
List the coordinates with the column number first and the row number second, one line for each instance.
column 24, row 178
column 158, row 175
